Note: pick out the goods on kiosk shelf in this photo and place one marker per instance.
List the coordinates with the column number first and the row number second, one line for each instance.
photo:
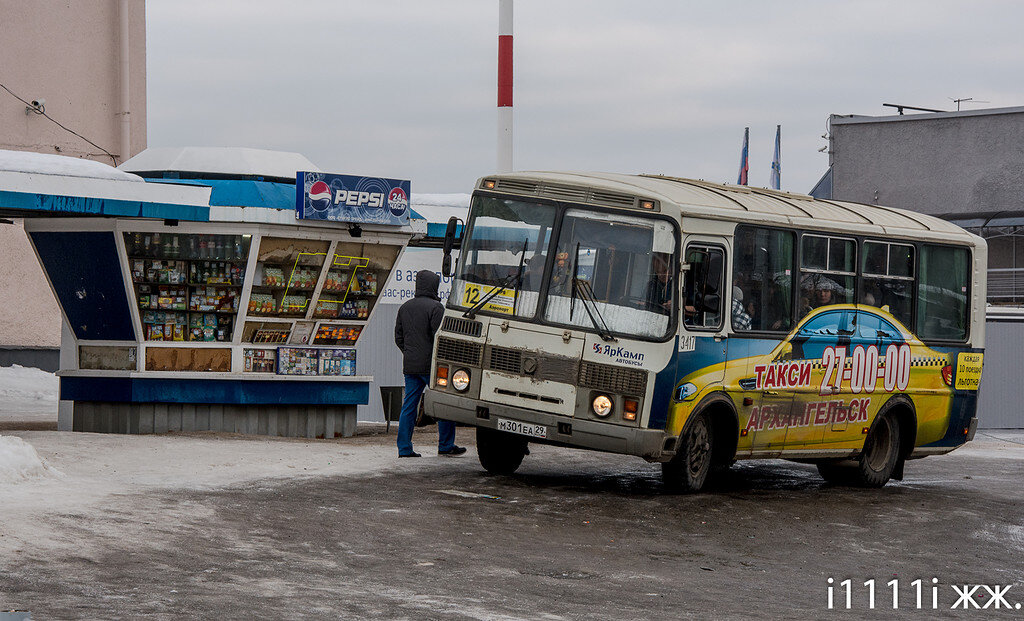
column 337, row 362
column 353, row 309
column 336, row 281
column 268, row 335
column 162, row 297
column 305, row 361
column 294, row 304
column 214, row 299
column 366, row 282
column 215, row 273
column 187, row 246
column 260, row 360
column 262, row 304
column 337, row 335
column 209, row 327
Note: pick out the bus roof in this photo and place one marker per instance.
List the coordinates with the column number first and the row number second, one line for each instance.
column 695, row 198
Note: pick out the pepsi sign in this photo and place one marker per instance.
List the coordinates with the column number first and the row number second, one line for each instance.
column 347, row 198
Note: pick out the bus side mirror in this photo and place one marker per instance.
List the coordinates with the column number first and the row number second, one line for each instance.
column 447, row 268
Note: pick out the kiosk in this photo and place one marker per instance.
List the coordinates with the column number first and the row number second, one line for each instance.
column 227, row 310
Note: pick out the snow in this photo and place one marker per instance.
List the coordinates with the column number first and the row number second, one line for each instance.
column 20, row 462
column 220, row 160
column 441, row 200
column 44, row 164
column 28, row 394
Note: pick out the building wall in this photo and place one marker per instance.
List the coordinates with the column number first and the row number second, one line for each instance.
column 932, row 163
column 943, row 163
column 68, row 53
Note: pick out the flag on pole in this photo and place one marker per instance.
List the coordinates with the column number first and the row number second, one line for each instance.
column 776, row 180
column 744, row 163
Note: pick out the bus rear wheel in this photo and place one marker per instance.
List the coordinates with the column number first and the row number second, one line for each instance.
column 688, row 470
column 500, row 452
column 877, row 461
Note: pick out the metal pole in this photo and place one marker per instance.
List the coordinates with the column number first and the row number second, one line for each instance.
column 505, row 86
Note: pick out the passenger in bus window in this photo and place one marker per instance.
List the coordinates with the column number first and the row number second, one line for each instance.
column 533, row 273
column 659, row 288
column 818, row 291
column 741, row 319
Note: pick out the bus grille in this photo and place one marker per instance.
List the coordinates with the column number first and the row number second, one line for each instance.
column 461, row 326
column 566, row 193
column 560, row 369
column 631, row 382
column 462, row 352
column 506, row 360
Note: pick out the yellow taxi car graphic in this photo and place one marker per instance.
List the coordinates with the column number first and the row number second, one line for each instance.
column 819, row 389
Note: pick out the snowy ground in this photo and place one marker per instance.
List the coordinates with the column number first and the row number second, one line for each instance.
column 27, row 394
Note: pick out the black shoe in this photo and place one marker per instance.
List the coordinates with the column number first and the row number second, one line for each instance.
column 414, row 455
column 454, row 451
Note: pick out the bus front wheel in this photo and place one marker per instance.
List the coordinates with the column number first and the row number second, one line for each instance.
column 688, row 470
column 499, row 452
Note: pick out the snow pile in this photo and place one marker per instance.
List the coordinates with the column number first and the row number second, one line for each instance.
column 27, row 385
column 20, row 462
column 45, row 164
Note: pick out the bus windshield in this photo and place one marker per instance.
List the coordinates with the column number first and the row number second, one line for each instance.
column 625, row 263
column 503, row 236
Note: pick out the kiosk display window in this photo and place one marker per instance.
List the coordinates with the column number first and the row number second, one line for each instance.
column 187, row 286
column 286, row 276
column 355, row 277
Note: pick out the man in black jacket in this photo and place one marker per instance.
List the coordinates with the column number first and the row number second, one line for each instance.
column 418, row 321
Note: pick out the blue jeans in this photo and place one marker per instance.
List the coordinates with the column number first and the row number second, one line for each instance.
column 414, row 385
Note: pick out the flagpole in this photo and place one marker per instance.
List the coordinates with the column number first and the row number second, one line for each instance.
column 776, row 181
column 744, row 158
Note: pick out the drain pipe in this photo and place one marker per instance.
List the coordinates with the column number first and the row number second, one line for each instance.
column 125, row 105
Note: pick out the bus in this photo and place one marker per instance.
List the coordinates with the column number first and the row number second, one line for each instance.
column 695, row 324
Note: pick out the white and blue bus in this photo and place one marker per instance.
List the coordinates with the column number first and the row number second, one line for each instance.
column 694, row 324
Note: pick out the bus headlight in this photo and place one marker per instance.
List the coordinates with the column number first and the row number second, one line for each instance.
column 460, row 380
column 602, row 406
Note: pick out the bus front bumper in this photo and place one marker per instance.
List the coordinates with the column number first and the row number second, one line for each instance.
column 646, row 443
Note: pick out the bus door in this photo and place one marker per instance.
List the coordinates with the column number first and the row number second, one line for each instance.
column 702, row 345
column 822, row 343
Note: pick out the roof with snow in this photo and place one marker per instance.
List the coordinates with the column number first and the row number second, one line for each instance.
column 235, row 162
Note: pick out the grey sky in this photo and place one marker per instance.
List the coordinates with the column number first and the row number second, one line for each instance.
column 407, row 89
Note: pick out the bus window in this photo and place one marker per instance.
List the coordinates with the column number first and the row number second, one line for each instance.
column 827, row 270
column 763, row 274
column 704, row 286
column 888, row 278
column 942, row 294
column 626, row 264
column 506, row 243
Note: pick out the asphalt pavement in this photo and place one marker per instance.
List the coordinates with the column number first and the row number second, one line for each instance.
column 573, row 535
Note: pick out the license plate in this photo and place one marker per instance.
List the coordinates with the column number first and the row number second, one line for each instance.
column 523, row 429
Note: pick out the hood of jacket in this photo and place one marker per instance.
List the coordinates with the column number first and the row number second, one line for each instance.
column 427, row 283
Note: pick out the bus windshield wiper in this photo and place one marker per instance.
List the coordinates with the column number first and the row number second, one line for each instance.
column 517, row 277
column 586, row 294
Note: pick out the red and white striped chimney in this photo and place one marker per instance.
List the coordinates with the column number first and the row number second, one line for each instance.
column 504, row 85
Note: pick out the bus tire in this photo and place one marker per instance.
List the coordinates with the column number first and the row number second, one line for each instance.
column 836, row 473
column 499, row 452
column 688, row 470
column 881, row 453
